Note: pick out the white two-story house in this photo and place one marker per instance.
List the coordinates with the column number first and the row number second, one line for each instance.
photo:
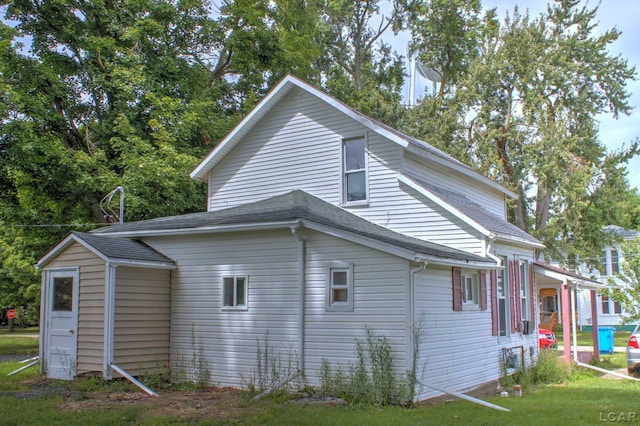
column 320, row 223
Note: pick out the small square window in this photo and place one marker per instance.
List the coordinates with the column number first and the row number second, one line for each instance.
column 234, row 292
column 340, row 289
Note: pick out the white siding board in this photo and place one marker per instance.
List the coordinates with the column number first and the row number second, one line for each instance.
column 457, row 350
column 226, row 339
column 332, row 335
column 298, row 146
column 90, row 304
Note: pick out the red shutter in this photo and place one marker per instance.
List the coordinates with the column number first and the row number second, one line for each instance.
column 533, row 297
column 514, row 296
column 457, row 289
column 494, row 302
column 483, row 290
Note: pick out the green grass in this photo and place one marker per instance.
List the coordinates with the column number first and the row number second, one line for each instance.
column 585, row 338
column 12, row 345
column 584, row 399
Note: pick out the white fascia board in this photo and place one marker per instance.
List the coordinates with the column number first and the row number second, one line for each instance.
column 266, row 104
column 143, row 264
column 520, row 241
column 461, row 168
column 205, row 229
column 201, row 171
column 433, row 197
column 71, row 238
column 454, row 262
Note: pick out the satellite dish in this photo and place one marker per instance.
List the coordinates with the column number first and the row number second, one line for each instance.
column 428, row 73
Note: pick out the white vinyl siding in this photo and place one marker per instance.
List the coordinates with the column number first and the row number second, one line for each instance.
column 90, row 304
column 457, row 350
column 298, row 145
column 225, row 340
column 142, row 317
column 379, row 289
column 489, row 198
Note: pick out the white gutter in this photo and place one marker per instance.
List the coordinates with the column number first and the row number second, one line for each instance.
column 203, row 230
column 602, row 370
column 301, row 277
column 488, row 250
column 412, row 361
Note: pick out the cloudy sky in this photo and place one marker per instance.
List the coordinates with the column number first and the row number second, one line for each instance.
column 624, row 15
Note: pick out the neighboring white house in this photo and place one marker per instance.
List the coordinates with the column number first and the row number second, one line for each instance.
column 321, row 223
column 609, row 311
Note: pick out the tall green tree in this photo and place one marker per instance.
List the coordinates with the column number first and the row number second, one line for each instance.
column 628, row 293
column 133, row 93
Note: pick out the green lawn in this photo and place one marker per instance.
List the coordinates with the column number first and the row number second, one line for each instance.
column 18, row 343
column 584, row 399
column 585, row 338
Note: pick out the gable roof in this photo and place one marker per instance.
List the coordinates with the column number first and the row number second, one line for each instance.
column 115, row 250
column 298, row 208
column 472, row 213
column 290, row 82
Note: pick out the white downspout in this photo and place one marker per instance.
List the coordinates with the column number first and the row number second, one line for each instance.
column 411, row 361
column 109, row 319
column 488, row 250
column 301, row 279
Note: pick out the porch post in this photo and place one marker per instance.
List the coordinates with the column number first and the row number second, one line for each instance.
column 566, row 321
column 594, row 324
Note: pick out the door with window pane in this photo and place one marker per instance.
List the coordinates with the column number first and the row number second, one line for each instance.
column 61, row 325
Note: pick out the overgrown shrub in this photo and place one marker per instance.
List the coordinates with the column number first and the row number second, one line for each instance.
column 370, row 380
column 271, row 371
column 549, row 369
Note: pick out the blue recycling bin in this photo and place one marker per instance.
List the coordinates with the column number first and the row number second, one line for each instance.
column 605, row 340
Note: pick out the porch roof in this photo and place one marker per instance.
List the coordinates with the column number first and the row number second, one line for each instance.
column 562, row 275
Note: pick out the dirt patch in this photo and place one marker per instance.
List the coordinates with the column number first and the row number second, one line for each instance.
column 221, row 403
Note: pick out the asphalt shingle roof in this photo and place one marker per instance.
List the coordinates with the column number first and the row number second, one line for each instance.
column 292, row 206
column 478, row 214
column 122, row 248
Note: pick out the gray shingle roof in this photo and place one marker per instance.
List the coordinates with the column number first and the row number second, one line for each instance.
column 122, row 248
column 618, row 231
column 292, row 206
column 473, row 210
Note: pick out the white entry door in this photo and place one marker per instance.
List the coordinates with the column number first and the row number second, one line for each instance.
column 62, row 324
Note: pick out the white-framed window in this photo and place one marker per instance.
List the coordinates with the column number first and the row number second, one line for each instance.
column 470, row 288
column 610, row 306
column 354, row 166
column 502, row 287
column 339, row 287
column 235, row 292
column 525, row 305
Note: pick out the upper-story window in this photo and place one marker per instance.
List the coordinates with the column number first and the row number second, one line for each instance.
column 610, row 262
column 355, row 169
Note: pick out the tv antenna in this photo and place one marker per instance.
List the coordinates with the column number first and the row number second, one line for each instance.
column 110, row 214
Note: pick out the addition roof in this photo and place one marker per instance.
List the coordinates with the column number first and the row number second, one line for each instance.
column 115, row 250
column 291, row 208
column 290, row 82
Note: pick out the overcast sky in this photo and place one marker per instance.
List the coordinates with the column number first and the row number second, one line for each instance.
column 625, row 16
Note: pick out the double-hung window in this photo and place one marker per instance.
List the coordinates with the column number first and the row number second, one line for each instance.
column 339, row 287
column 502, row 287
column 354, row 165
column 234, row 291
